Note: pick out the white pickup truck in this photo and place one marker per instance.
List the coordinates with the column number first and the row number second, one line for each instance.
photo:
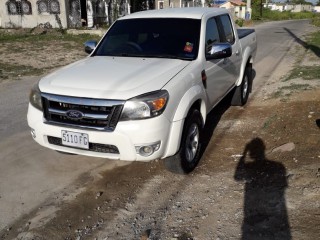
column 146, row 88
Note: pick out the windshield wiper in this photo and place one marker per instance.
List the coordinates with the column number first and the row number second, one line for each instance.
column 174, row 57
column 126, row 55
column 169, row 56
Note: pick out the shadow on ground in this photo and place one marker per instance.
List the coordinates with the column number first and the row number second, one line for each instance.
column 265, row 211
column 313, row 48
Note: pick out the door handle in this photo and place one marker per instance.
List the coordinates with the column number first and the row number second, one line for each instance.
column 237, row 52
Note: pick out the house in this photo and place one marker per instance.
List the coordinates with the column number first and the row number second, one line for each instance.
column 161, row 4
column 236, row 7
column 316, row 9
column 289, row 7
column 30, row 13
column 60, row 13
column 302, row 8
column 275, row 6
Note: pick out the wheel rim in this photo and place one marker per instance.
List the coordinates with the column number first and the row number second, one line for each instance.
column 245, row 87
column 192, row 142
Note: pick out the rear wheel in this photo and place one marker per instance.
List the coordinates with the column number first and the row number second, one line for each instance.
column 241, row 93
column 188, row 156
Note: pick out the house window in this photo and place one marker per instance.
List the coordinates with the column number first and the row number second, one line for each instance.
column 19, row 7
column 48, row 6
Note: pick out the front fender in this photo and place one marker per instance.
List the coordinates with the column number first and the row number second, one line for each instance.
column 189, row 98
column 194, row 94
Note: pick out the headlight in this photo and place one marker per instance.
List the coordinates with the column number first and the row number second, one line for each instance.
column 35, row 97
column 145, row 106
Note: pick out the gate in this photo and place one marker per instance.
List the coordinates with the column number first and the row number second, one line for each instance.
column 74, row 14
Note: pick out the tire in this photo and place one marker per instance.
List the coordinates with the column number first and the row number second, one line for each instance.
column 189, row 154
column 241, row 93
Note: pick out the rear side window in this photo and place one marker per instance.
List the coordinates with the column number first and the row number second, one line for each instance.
column 227, row 29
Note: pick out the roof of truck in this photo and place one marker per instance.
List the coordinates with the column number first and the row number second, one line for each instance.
column 192, row 12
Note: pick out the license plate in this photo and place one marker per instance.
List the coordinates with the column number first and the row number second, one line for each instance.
column 74, row 139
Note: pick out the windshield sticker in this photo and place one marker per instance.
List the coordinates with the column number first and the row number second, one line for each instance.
column 188, row 47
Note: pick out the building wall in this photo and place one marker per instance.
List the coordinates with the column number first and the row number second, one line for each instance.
column 316, row 9
column 301, row 8
column 236, row 11
column 159, row 4
column 289, row 7
column 32, row 13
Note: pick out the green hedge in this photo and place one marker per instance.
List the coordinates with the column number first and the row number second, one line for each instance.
column 268, row 14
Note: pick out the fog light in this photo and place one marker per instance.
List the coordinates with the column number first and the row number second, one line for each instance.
column 33, row 133
column 147, row 150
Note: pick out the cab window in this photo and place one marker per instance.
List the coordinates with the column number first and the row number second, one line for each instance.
column 212, row 34
column 227, row 29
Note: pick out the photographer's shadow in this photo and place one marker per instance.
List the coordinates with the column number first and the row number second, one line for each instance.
column 265, row 212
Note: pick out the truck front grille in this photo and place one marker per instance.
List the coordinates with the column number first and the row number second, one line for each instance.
column 94, row 147
column 76, row 112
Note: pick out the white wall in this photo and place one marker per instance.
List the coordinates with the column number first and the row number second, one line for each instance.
column 315, row 8
column 34, row 19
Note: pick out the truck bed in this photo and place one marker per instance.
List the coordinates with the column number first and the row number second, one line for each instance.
column 243, row 32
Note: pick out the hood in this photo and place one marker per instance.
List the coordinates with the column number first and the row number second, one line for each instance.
column 118, row 78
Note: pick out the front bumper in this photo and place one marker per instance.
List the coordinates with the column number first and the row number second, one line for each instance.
column 126, row 136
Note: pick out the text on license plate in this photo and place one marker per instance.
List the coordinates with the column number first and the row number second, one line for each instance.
column 74, row 139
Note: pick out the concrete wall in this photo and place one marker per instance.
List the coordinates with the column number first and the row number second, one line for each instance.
column 236, row 11
column 28, row 14
column 289, row 7
column 176, row 3
column 315, row 8
column 301, row 8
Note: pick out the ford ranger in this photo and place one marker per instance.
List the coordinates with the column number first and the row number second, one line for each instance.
column 146, row 88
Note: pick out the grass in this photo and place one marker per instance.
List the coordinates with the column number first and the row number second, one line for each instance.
column 304, row 72
column 268, row 14
column 28, row 36
column 286, row 91
column 26, row 42
column 268, row 122
column 316, row 20
column 312, row 44
column 294, row 87
column 16, row 71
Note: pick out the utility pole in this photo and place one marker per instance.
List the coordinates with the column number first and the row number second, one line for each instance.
column 248, row 10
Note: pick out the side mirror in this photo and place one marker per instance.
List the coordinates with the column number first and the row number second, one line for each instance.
column 89, row 46
column 219, row 51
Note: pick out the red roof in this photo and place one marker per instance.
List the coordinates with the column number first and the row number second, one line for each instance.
column 237, row 2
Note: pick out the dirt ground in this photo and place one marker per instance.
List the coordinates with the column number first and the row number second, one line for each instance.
column 259, row 178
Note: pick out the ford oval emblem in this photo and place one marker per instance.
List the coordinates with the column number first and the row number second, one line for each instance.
column 74, row 114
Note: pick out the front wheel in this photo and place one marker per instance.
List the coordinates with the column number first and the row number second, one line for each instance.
column 189, row 154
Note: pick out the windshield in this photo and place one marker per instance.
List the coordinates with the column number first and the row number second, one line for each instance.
column 152, row 37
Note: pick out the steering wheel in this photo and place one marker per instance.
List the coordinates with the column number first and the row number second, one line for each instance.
column 134, row 46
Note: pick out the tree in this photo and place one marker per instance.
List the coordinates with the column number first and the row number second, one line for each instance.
column 141, row 5
column 304, row 2
column 257, row 7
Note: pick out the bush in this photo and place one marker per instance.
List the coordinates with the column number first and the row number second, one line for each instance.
column 268, row 14
column 239, row 22
column 316, row 20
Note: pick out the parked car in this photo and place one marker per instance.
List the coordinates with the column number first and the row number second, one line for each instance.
column 146, row 88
